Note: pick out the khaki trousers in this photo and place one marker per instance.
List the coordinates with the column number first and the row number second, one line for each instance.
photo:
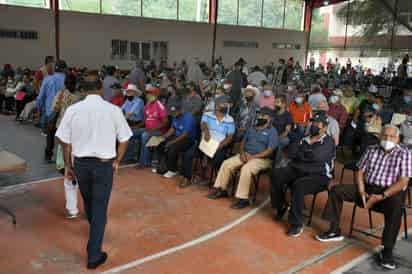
column 247, row 170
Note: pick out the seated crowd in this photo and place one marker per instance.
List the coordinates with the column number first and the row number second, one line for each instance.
column 281, row 119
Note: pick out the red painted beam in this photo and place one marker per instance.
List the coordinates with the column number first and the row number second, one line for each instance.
column 54, row 6
column 308, row 25
column 213, row 11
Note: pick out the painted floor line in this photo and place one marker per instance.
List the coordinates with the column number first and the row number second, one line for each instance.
column 23, row 185
column 191, row 243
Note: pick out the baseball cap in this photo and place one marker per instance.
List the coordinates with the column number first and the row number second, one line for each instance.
column 321, row 117
column 153, row 90
column 116, row 86
column 175, row 106
column 266, row 110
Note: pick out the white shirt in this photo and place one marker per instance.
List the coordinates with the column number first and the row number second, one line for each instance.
column 92, row 126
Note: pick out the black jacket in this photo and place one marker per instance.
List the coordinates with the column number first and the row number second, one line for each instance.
column 314, row 159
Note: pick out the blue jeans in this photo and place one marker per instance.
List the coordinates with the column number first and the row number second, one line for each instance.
column 145, row 154
column 131, row 153
column 95, row 180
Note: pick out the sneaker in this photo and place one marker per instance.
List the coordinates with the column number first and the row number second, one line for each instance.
column 218, row 194
column 154, row 170
column 329, row 237
column 169, row 174
column 71, row 216
column 295, row 231
column 240, row 204
column 387, row 262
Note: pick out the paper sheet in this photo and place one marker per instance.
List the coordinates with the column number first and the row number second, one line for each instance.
column 209, row 148
column 155, row 141
column 398, row 119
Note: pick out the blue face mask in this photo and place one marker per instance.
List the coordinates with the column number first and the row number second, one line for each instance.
column 407, row 99
column 376, row 107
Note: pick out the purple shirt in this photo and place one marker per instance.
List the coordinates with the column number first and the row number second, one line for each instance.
column 385, row 169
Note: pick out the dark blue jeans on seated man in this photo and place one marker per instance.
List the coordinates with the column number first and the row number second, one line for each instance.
column 95, row 178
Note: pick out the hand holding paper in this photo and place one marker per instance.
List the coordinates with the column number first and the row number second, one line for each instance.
column 209, row 147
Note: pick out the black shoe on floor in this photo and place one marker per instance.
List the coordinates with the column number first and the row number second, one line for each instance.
column 295, row 231
column 387, row 261
column 329, row 236
column 100, row 261
column 240, row 204
column 218, row 194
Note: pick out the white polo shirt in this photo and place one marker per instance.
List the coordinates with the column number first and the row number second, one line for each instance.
column 92, row 126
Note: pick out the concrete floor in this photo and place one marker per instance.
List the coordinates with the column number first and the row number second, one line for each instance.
column 154, row 228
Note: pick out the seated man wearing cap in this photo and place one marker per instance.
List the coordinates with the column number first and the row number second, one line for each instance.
column 133, row 112
column 310, row 171
column 118, row 98
column 256, row 151
column 155, row 122
column 333, row 125
column 179, row 138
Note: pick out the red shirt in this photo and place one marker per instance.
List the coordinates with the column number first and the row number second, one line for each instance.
column 338, row 111
column 154, row 115
column 117, row 100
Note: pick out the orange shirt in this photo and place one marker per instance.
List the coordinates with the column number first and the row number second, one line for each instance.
column 300, row 114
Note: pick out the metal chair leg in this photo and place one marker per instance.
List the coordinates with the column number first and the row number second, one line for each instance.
column 405, row 222
column 341, row 175
column 370, row 219
column 352, row 221
column 312, row 208
column 8, row 212
column 256, row 182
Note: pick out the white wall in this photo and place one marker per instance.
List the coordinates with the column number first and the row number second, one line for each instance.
column 86, row 38
column 26, row 53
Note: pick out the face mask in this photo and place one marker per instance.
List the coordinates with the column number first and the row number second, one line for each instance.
column 249, row 98
column 299, row 100
column 387, row 145
column 260, row 122
column 130, row 98
column 314, row 131
column 226, row 86
column 376, row 107
column 267, row 93
column 407, row 99
column 333, row 99
column 151, row 98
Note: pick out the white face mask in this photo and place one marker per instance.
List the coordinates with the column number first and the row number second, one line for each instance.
column 299, row 100
column 267, row 93
column 226, row 86
column 333, row 99
column 387, row 145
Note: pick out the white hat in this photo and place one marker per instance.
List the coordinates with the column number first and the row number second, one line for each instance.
column 132, row 87
column 251, row 88
column 337, row 92
column 373, row 89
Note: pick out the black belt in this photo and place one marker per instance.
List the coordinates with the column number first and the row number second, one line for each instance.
column 93, row 159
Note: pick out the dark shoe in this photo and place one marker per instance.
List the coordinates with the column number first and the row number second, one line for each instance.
column 295, row 231
column 387, row 261
column 240, row 204
column 218, row 194
column 280, row 213
column 330, row 237
column 96, row 264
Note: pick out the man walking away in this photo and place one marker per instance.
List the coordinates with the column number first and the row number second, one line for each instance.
column 89, row 131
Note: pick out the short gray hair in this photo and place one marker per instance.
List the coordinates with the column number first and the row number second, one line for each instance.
column 397, row 130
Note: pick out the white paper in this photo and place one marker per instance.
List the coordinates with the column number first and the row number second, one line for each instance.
column 398, row 119
column 209, row 148
column 155, row 141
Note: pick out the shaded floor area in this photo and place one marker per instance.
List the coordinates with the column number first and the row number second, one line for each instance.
column 25, row 141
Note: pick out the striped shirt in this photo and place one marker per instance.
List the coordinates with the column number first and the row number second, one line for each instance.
column 385, row 169
column 219, row 130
